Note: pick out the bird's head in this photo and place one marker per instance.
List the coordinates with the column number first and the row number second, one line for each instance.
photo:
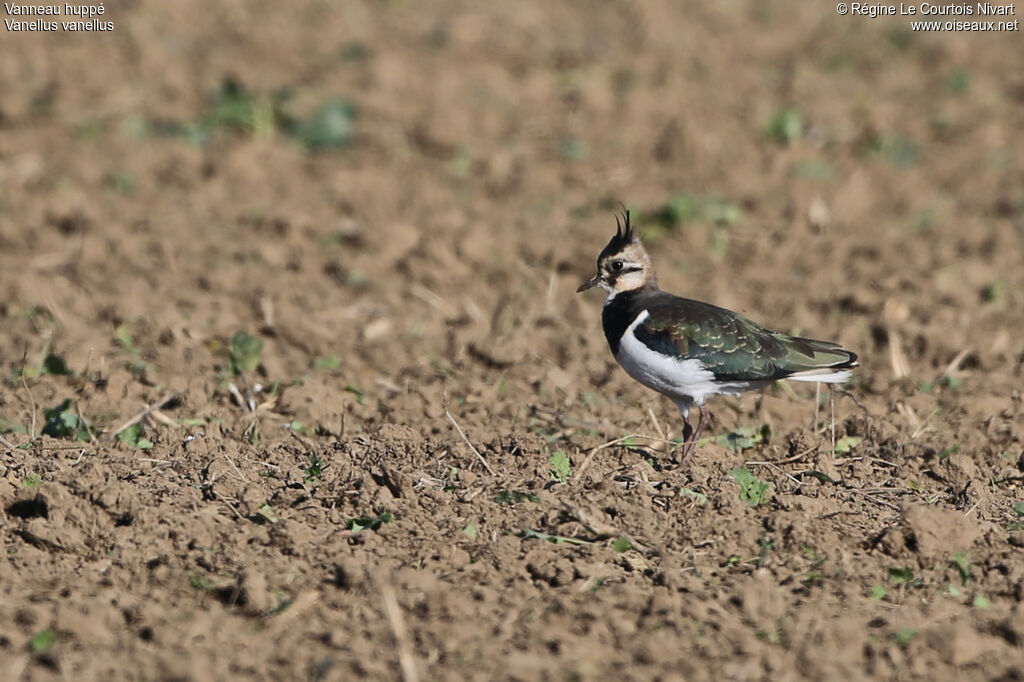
column 623, row 264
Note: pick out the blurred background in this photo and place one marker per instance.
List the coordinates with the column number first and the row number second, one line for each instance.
column 392, row 184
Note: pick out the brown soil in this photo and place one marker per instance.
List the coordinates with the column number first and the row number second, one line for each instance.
column 430, row 265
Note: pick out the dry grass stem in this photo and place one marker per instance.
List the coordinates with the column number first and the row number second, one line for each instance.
column 466, row 440
column 145, row 412
column 406, row 658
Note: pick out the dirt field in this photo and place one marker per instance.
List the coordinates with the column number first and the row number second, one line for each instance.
column 398, row 203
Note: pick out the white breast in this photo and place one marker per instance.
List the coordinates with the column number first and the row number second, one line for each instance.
column 685, row 381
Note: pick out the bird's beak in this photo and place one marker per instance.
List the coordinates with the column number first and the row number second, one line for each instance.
column 592, row 282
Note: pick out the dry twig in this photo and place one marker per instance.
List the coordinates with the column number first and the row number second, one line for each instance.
column 406, row 659
column 466, row 439
column 144, row 413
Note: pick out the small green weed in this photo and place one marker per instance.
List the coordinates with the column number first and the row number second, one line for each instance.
column 198, row 582
column 685, row 208
column 699, row 497
column 962, row 563
column 744, row 438
column 897, row 150
column 357, row 392
column 846, row 444
column 561, row 467
column 42, row 641
column 330, row 127
column 573, row 149
column 904, row 636
column 326, row 362
column 244, row 353
column 959, row 81
column 753, row 491
column 135, row 436
column 993, row 291
column 33, row 481
column 63, row 421
column 48, row 364
column 901, row 576
column 315, row 470
column 785, row 126
column 362, row 523
column 622, row 544
column 556, row 539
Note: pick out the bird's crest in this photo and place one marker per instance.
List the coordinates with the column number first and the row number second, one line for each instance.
column 623, row 235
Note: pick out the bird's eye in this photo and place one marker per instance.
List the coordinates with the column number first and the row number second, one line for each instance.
column 617, row 265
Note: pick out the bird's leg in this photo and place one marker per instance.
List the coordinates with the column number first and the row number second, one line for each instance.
column 687, row 430
column 684, row 412
column 705, row 417
column 691, row 442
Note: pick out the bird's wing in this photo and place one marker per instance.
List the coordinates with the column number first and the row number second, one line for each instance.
column 732, row 347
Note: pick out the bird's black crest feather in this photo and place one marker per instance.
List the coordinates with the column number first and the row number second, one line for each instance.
column 623, row 234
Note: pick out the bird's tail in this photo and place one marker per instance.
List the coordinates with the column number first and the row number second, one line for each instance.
column 819, row 361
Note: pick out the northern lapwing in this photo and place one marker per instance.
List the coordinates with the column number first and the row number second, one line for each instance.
column 689, row 350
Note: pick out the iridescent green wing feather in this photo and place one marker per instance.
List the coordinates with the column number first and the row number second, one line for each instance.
column 731, row 346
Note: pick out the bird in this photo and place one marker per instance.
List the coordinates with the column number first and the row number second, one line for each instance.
column 689, row 350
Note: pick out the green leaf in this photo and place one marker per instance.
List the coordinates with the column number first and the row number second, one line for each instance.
column 557, row 539
column 701, row 498
column 785, row 126
column 362, row 523
column 630, row 443
column 232, row 107
column 125, row 338
column 846, row 444
column 62, row 421
column 752, row 490
column 981, row 601
column 878, row 593
column 622, row 544
column 561, row 467
column 200, row 583
column 315, row 470
column 134, row 435
column 901, row 576
column 744, row 437
column 958, row 81
column 470, row 530
column 244, row 352
column 33, row 481
column 54, row 364
column 326, row 362
column 962, row 563
column 42, row 641
column 685, row 207
column 267, row 512
column 1018, row 508
column 355, row 390
column 329, row 128
column 904, row 636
